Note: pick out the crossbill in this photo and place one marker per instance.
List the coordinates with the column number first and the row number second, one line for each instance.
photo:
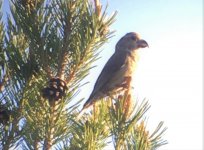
column 117, row 72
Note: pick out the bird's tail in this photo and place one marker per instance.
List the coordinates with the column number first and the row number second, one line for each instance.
column 86, row 106
column 81, row 113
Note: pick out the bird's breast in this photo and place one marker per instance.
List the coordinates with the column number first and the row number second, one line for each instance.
column 127, row 69
column 130, row 63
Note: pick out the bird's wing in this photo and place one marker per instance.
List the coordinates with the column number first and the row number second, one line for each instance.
column 113, row 65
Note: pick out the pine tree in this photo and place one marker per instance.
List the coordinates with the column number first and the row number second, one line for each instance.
column 46, row 49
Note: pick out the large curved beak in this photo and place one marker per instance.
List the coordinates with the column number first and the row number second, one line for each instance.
column 142, row 43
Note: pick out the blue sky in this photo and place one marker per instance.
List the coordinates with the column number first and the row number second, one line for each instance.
column 169, row 74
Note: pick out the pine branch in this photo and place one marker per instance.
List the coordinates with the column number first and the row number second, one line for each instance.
column 11, row 132
column 91, row 132
column 3, row 77
column 50, row 134
column 29, row 16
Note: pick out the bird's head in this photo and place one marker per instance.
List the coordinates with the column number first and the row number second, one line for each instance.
column 131, row 41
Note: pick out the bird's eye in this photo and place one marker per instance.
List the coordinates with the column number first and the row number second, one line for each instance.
column 133, row 38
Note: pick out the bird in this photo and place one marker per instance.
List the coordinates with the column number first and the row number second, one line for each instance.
column 117, row 72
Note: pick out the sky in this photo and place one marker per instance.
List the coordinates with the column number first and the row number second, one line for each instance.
column 169, row 73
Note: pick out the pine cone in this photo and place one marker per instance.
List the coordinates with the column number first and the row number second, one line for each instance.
column 4, row 115
column 55, row 90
